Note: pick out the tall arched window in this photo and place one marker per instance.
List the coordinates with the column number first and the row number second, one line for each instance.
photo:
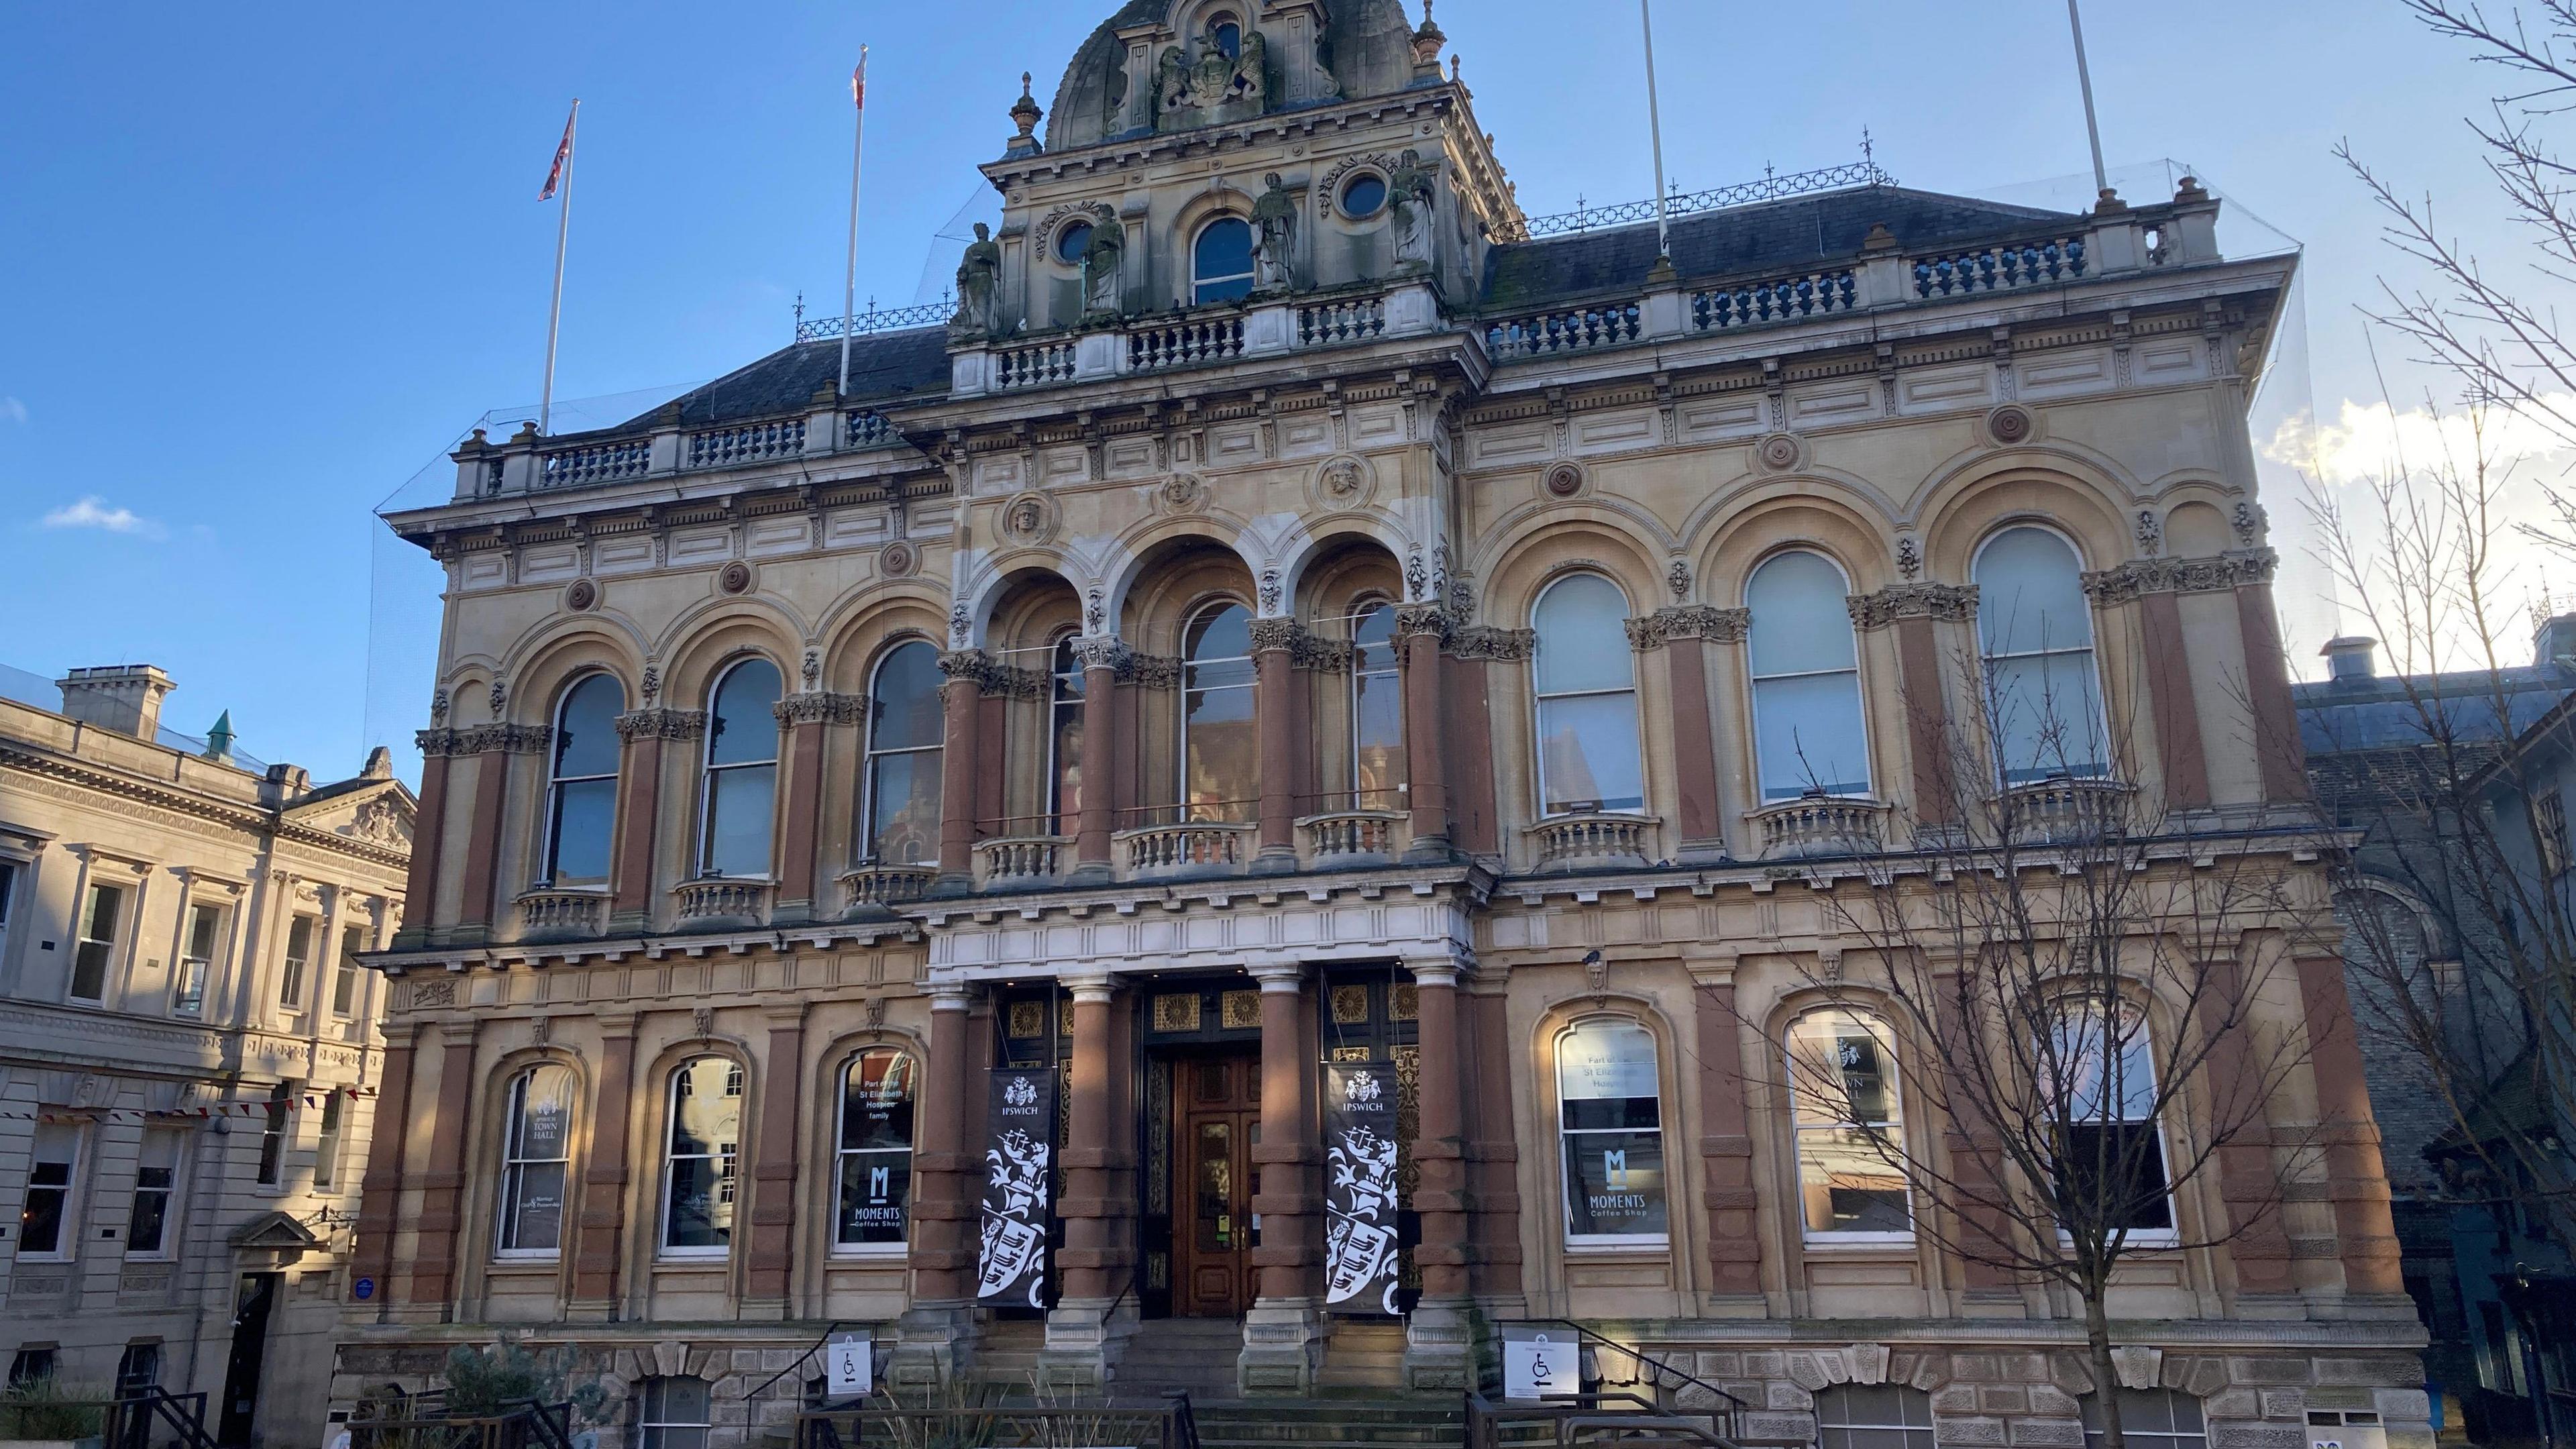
column 1586, row 679
column 698, row 1179
column 1850, row 1128
column 581, row 794
column 1610, row 1133
column 1064, row 738
column 536, row 1157
column 1807, row 731
column 875, row 1151
column 741, row 794
column 1377, row 710
column 2099, row 1069
column 1226, row 34
column 1220, row 745
column 2035, row 631
column 1221, row 261
column 905, row 728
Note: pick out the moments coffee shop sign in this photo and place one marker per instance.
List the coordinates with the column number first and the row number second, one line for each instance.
column 1612, row 1134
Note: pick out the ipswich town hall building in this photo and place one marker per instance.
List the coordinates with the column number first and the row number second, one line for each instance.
column 1255, row 807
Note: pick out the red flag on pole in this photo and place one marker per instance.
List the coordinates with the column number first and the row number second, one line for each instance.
column 859, row 85
column 563, row 153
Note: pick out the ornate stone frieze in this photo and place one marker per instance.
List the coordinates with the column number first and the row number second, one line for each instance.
column 1912, row 601
column 434, row 743
column 2143, row 576
column 992, row 677
column 1500, row 646
column 819, row 707
column 514, row 739
column 662, row 724
column 1692, row 621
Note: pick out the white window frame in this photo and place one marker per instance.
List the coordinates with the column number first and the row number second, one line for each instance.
column 1860, row 694
column 652, row 1414
column 1065, row 690
column 727, row 1166
column 1614, row 1242
column 1393, row 673
column 552, row 823
column 2089, row 1409
column 11, row 868
column 1539, row 701
column 2099, row 725
column 194, row 968
column 515, row 1162
column 119, row 932
column 330, row 1131
column 708, row 770
column 1251, row 265
column 292, row 970
column 1187, row 812
column 871, row 753
column 1800, row 1126
column 841, row 1154
column 1907, row 1433
column 2169, row 1235
column 345, row 993
column 276, row 1122
column 67, row 1238
column 171, row 1194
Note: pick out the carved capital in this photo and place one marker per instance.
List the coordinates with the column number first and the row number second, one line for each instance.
column 1153, row 671
column 1912, row 601
column 1102, row 651
column 1500, row 646
column 511, row 739
column 992, row 677
column 437, row 742
column 816, row 707
column 2143, row 576
column 1689, row 621
column 1412, row 619
column 1275, row 634
column 661, row 724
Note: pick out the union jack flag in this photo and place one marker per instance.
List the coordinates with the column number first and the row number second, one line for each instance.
column 563, row 153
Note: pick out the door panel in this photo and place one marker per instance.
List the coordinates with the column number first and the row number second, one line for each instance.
column 1220, row 1123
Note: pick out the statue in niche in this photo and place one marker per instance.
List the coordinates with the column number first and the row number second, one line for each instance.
column 1274, row 221
column 1101, row 265
column 1410, row 195
column 979, row 278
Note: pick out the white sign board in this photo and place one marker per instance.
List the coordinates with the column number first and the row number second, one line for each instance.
column 1539, row 1367
column 849, row 1367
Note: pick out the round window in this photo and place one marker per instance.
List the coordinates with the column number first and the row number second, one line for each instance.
column 1072, row 241
column 1363, row 196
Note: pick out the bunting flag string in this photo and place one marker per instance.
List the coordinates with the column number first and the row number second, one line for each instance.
column 303, row 1102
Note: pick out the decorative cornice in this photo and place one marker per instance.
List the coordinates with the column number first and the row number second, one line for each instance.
column 2144, row 576
column 993, row 678
column 821, row 708
column 1689, row 621
column 662, row 724
column 1912, row 601
column 1500, row 646
column 497, row 739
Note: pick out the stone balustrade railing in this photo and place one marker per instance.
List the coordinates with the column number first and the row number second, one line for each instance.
column 879, row 887
column 1021, row 859
column 1775, row 299
column 1192, row 847
column 1184, row 344
column 2065, row 811
column 2000, row 268
column 1819, row 825
column 750, row 443
column 1327, row 324
column 1206, row 337
column 723, row 899
column 1568, row 841
column 597, row 463
column 547, row 911
column 1554, row 334
column 1038, row 365
column 1346, row 836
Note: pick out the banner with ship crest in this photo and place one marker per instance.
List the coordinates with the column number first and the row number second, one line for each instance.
column 1019, row 1158
column 1360, row 1258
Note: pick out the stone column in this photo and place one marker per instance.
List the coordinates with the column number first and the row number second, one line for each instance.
column 1917, row 612
column 1283, row 1337
column 429, row 837
column 380, row 1195
column 1682, row 636
column 1735, row 1234
column 2177, row 709
column 442, row 1178
column 962, row 698
column 935, row 1332
column 1098, row 1203
column 2356, row 1179
column 1419, row 630
column 1274, row 706
column 804, row 716
column 599, row 1234
column 483, row 834
column 772, row 1255
column 1975, row 1156
column 2249, row 1182
column 2267, row 676
column 1440, row 1338
column 639, row 806
column 1102, row 658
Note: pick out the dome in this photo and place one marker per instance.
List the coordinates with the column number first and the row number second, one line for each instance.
column 1368, row 48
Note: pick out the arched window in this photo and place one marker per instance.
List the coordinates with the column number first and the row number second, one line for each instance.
column 1807, row 732
column 1064, row 738
column 2035, row 631
column 1220, row 746
column 2150, row 1419
column 1850, row 1127
column 1873, row 1416
column 536, row 1157
column 1586, row 681
column 674, row 1413
column 741, row 795
column 2098, row 1071
column 875, row 1152
column 1221, row 261
column 1226, row 33
column 1610, row 1130
column 698, row 1177
column 905, row 728
column 581, row 794
column 1377, row 710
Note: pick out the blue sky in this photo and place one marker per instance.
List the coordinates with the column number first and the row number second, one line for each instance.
column 263, row 263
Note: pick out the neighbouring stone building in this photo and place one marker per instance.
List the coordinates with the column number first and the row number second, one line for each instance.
column 938, row 847
column 188, row 1051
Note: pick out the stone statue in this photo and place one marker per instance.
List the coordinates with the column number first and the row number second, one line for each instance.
column 1410, row 194
column 1213, row 82
column 1251, row 69
column 1101, row 293
column 979, row 278
column 1274, row 221
column 1171, row 82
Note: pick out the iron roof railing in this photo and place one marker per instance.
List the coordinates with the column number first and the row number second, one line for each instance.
column 1771, row 187
column 895, row 319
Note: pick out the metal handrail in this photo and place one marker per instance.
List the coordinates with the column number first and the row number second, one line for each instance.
column 1771, row 187
column 1658, row 1365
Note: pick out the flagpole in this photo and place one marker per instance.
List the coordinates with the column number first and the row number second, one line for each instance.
column 850, row 282
column 554, row 317
column 1655, row 122
column 2084, row 77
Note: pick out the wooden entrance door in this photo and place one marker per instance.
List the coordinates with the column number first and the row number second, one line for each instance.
column 1217, row 1114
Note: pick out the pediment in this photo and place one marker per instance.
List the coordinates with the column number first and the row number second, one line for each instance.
column 274, row 1231
column 381, row 814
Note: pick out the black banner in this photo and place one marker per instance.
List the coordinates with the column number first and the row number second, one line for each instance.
column 1360, row 1199
column 1019, row 1158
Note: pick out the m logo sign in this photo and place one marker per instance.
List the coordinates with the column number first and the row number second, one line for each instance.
column 1614, row 1166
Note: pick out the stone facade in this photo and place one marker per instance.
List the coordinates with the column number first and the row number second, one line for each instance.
column 1159, row 658
column 186, row 1086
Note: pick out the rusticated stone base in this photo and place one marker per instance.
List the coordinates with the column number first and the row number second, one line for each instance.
column 1443, row 1347
column 1283, row 1347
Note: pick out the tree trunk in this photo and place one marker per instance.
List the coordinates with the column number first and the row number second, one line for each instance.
column 2106, row 1382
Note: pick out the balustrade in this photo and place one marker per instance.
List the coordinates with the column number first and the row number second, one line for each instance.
column 2000, row 268
column 881, row 886
column 1198, row 845
column 1021, row 859
column 545, row 911
column 1549, row 334
column 1340, row 836
column 1329, row 324
column 1183, row 344
column 596, row 463
column 753, row 443
column 865, row 429
column 1040, row 365
column 1602, row 840
column 723, row 899
column 2065, row 811
column 1820, row 825
column 1780, row 299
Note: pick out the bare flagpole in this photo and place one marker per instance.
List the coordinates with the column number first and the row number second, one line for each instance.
column 858, row 138
column 2084, row 77
column 563, row 234
column 1655, row 120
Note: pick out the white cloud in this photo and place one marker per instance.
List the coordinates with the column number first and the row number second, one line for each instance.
column 2368, row 440
column 12, row 409
column 93, row 512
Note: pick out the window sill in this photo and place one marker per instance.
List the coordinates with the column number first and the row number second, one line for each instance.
column 872, row 1253
column 523, row 1261
column 1621, row 1247
column 1859, row 1243
column 685, row 1258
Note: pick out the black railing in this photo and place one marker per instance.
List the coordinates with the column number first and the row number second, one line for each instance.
column 1660, row 1369
column 929, row 314
column 1864, row 172
column 530, row 1426
column 1602, row 1419
column 1172, row 1426
column 124, row 1422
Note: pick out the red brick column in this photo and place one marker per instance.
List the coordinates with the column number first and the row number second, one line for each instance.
column 1280, row 729
column 483, row 835
column 2356, row 1179
column 1975, row 1150
column 805, row 716
column 380, row 1196
column 1701, row 817
column 1100, row 751
column 1419, row 630
column 962, row 698
column 943, row 1237
column 2177, row 710
column 599, row 1235
column 442, row 1177
column 1098, row 1205
column 1493, row 1169
column 772, row 1256
column 639, row 789
column 1927, row 718
column 1440, row 1152
column 1291, row 1204
column 2267, row 678
column 1726, row 1152
column 429, row 836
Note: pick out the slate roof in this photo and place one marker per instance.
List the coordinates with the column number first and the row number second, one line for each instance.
column 885, row 367
column 1800, row 232
column 2377, row 713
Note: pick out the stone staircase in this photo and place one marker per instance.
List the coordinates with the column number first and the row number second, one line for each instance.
column 1196, row 1355
column 1331, row 1424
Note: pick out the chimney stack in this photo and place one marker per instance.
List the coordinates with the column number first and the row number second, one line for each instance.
column 2553, row 639
column 125, row 698
column 2350, row 658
